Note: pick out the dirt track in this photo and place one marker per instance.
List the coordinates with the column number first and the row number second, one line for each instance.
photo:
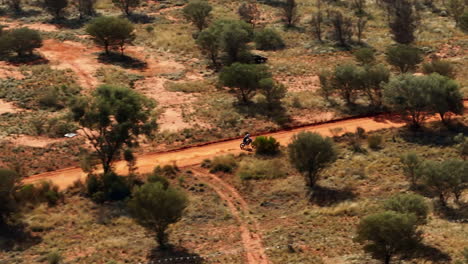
column 195, row 155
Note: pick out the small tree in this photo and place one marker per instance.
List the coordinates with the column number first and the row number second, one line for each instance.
column 8, row 180
column 198, row 12
column 111, row 32
column 457, row 171
column 126, row 5
column 365, row 55
column 22, row 41
column 86, row 8
column 410, row 96
column 373, row 78
column 244, row 79
column 404, row 57
column 55, row 7
column 268, row 39
column 436, row 179
column 411, row 165
column 404, row 22
column 317, row 25
column 113, row 118
column 347, row 81
column 266, row 145
column 272, row 91
column 155, row 207
column 290, row 14
column 310, row 153
column 342, row 28
column 209, row 43
column 249, row 12
column 388, row 234
column 445, row 96
column 408, row 204
column 360, row 27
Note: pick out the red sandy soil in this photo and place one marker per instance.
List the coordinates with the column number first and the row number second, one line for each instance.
column 9, row 71
column 7, row 107
column 35, row 26
column 249, row 228
column 195, row 155
column 34, row 141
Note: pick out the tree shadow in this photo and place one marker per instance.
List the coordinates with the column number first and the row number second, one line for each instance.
column 459, row 214
column 140, row 18
column 24, row 13
column 277, row 114
column 16, row 237
column 431, row 136
column 70, row 23
column 34, row 59
column 326, row 196
column 123, row 61
column 173, row 254
column 430, row 253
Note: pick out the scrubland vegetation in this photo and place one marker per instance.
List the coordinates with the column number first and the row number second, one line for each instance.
column 131, row 77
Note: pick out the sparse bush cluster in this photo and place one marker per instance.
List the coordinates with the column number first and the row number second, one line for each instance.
column 22, row 41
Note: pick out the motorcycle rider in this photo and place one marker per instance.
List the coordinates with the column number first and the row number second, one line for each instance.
column 247, row 140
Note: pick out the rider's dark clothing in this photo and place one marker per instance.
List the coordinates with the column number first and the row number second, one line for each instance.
column 247, row 138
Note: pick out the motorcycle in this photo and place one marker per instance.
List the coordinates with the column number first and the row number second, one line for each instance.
column 243, row 145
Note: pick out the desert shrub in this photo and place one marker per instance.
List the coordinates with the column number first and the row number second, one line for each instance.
column 411, row 164
column 365, row 55
column 108, row 187
column 266, row 145
column 158, row 178
column 441, row 67
column 155, row 208
column 435, row 179
column 255, row 169
column 188, row 87
column 310, row 153
column 249, row 12
column 408, row 204
column 167, row 171
column 8, row 206
column 375, row 141
column 111, row 32
column 57, row 97
column 464, row 22
column 388, row 234
column 49, row 193
column 268, row 39
column 198, row 12
column 404, row 57
column 21, row 40
column 117, row 77
column 54, row 258
column 226, row 163
column 59, row 126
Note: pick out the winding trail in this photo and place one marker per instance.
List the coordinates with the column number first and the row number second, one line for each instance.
column 249, row 228
column 194, row 155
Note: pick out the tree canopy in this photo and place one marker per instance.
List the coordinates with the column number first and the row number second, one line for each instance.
column 111, row 32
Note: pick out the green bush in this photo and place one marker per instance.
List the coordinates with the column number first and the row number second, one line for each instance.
column 268, row 39
column 21, row 40
column 226, row 163
column 198, row 12
column 375, row 141
column 158, row 178
column 365, row 55
column 167, row 171
column 54, row 258
column 8, row 206
column 256, row 169
column 404, row 57
column 442, row 67
column 266, row 145
column 411, row 164
column 108, row 187
column 408, row 204
column 463, row 24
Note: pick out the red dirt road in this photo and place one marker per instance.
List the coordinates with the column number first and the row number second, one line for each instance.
column 195, row 155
